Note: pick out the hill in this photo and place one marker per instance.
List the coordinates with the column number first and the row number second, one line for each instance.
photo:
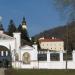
column 66, row 32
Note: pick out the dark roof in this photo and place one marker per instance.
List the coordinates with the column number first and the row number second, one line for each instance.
column 47, row 50
column 25, row 42
column 50, row 40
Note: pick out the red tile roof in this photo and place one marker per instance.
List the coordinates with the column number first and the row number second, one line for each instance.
column 50, row 40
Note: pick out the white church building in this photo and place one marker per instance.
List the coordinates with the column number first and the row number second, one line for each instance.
column 14, row 52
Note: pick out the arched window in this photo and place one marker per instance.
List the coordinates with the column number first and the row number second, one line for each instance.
column 16, row 57
column 26, row 58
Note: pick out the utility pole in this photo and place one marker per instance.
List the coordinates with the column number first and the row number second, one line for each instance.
column 67, row 44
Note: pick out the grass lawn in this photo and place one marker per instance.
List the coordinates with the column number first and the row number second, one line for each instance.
column 38, row 72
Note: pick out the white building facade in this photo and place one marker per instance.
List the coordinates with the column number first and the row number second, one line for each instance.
column 53, row 44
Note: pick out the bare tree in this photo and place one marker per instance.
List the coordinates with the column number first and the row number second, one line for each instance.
column 66, row 8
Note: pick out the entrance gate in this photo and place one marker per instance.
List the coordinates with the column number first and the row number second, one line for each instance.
column 5, row 57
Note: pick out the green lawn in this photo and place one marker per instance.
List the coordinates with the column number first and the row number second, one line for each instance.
column 39, row 72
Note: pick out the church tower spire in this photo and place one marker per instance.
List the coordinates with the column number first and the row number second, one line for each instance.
column 24, row 26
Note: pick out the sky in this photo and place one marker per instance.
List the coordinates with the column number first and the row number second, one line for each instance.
column 40, row 15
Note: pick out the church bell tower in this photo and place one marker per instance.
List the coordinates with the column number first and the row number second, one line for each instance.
column 24, row 27
column 24, row 33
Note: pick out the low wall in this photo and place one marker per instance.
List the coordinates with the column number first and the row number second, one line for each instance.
column 71, row 65
column 34, row 64
column 40, row 65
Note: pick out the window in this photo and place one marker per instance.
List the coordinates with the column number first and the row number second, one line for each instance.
column 16, row 57
column 9, row 53
column 51, row 48
column 59, row 44
column 42, row 57
column 54, row 57
column 0, row 53
column 68, row 56
column 26, row 58
column 4, row 53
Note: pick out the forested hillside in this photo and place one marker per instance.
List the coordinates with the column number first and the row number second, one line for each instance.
column 66, row 32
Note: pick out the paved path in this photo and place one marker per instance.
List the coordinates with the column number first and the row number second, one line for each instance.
column 2, row 71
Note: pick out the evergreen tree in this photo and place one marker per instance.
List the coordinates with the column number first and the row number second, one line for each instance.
column 11, row 28
column 19, row 28
column 66, row 7
column 1, row 27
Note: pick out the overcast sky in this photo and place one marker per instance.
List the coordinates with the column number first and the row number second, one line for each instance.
column 40, row 14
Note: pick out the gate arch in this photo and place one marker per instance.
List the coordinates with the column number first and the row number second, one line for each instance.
column 5, row 57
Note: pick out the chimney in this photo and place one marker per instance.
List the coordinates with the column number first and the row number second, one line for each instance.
column 35, row 46
column 42, row 38
column 53, row 38
column 1, row 31
column 17, row 36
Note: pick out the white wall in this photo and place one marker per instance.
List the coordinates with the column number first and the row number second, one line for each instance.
column 39, row 64
column 17, row 37
column 8, row 43
column 33, row 56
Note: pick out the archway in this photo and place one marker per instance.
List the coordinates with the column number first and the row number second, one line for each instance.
column 5, row 57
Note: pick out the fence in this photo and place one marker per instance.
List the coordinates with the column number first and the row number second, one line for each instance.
column 51, row 61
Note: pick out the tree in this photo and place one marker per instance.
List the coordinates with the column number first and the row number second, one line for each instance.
column 25, row 35
column 66, row 7
column 11, row 28
column 1, row 27
column 19, row 28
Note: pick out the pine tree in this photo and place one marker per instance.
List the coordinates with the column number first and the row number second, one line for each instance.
column 11, row 28
column 1, row 27
column 19, row 28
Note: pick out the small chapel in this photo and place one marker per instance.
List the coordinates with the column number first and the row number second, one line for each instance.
column 16, row 52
